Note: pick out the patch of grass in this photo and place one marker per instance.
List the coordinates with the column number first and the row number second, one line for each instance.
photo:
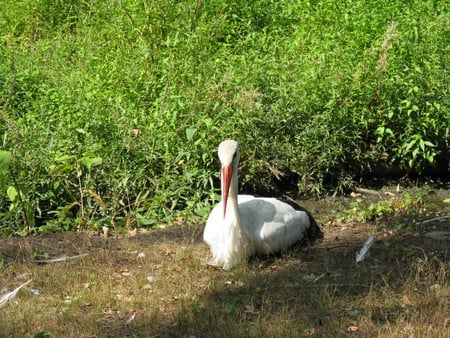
column 155, row 284
column 402, row 208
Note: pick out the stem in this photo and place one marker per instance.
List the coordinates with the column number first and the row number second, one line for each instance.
column 28, row 223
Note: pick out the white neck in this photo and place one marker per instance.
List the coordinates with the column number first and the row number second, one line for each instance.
column 232, row 214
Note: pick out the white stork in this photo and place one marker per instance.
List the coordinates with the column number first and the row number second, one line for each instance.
column 243, row 225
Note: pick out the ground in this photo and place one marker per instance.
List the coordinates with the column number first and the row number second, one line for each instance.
column 156, row 284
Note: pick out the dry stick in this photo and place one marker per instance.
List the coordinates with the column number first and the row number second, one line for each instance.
column 59, row 259
column 10, row 295
column 368, row 191
column 336, row 285
column 337, row 246
column 21, row 201
column 431, row 220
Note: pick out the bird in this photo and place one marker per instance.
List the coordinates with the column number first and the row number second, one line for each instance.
column 240, row 226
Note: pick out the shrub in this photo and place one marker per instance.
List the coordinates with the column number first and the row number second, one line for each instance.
column 113, row 111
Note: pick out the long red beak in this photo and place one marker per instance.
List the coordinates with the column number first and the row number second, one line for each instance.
column 227, row 172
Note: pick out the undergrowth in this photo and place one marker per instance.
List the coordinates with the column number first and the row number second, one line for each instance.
column 111, row 111
column 404, row 209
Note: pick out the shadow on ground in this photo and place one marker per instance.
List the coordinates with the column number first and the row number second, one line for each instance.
column 314, row 290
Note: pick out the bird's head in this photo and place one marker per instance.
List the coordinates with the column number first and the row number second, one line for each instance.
column 229, row 158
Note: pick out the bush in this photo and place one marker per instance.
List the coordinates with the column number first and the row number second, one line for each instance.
column 113, row 111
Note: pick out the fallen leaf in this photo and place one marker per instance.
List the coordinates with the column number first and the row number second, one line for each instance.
column 353, row 328
column 179, row 219
column 105, row 231
column 335, row 223
column 110, row 312
column 132, row 233
column 129, row 320
column 447, row 200
column 251, row 309
column 116, row 274
column 406, row 300
column 168, row 252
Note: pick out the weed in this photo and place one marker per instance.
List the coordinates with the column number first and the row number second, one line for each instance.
column 405, row 207
column 113, row 110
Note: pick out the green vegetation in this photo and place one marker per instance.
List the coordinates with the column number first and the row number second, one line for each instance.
column 388, row 212
column 111, row 111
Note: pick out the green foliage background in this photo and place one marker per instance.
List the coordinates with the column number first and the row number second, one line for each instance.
column 113, row 110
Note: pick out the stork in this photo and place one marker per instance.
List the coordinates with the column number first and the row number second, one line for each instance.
column 243, row 225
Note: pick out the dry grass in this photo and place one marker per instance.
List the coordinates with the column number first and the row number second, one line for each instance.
column 155, row 285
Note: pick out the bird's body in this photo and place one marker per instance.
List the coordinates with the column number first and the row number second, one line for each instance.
column 244, row 225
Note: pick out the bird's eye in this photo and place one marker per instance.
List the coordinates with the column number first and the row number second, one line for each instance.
column 234, row 156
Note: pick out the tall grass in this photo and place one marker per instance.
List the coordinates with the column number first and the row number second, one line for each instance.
column 113, row 110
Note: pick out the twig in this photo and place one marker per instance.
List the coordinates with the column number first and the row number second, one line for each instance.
column 59, row 259
column 368, row 191
column 431, row 220
column 337, row 246
column 333, row 285
column 10, row 295
column 315, row 280
column 336, row 285
column 29, row 222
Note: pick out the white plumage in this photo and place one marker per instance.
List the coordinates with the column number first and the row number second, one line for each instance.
column 244, row 225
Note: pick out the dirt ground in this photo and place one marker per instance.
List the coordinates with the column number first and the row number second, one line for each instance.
column 155, row 284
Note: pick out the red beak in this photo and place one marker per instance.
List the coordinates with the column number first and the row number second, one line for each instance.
column 227, row 172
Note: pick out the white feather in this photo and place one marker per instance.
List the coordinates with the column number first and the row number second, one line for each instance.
column 361, row 254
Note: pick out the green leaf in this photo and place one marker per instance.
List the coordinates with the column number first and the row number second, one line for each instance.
column 65, row 158
column 229, row 308
column 190, row 133
column 55, row 170
column 430, row 158
column 88, row 162
column 422, row 144
column 5, row 160
column 12, row 193
column 409, row 145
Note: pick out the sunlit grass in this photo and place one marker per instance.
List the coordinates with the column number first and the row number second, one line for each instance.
column 156, row 284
